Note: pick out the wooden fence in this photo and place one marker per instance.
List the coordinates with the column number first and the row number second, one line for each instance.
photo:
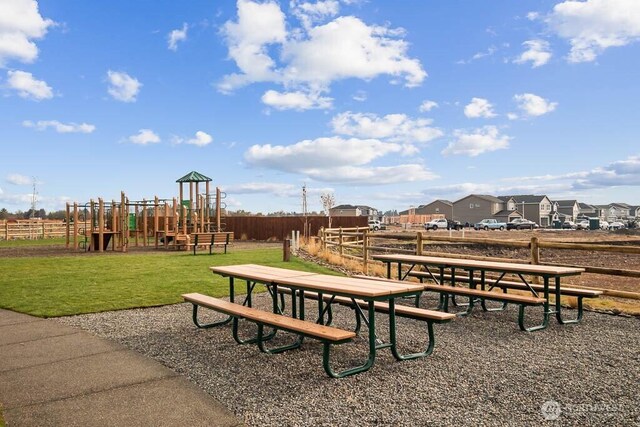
column 31, row 229
column 358, row 243
column 278, row 228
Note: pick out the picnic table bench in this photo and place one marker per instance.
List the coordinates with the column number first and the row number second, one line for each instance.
column 328, row 335
column 441, row 264
column 505, row 285
column 210, row 240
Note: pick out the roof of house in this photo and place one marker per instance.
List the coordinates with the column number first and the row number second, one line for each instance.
column 565, row 202
column 362, row 207
column 526, row 198
column 487, row 197
column 506, row 214
column 587, row 206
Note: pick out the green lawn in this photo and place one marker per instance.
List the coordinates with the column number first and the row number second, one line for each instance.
column 59, row 286
column 37, row 242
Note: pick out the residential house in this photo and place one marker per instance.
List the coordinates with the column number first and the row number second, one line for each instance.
column 588, row 211
column 532, row 207
column 351, row 210
column 476, row 207
column 621, row 211
column 440, row 206
column 569, row 208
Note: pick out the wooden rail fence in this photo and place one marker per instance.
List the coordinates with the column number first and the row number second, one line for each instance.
column 356, row 243
column 31, row 229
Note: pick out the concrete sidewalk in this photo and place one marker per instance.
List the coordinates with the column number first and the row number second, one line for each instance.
column 54, row 375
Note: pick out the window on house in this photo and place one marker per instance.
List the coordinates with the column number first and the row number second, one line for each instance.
column 437, row 210
column 470, row 205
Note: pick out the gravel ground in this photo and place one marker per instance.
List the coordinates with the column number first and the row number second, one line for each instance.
column 484, row 371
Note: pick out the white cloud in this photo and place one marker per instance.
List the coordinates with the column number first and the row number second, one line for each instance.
column 319, row 153
column 274, row 188
column 309, row 13
column 479, row 141
column 592, row 26
column 427, row 106
column 479, row 107
column 60, row 127
column 297, row 100
column 392, row 127
column 620, row 173
column 144, row 137
column 314, row 56
column 360, row 96
column 349, row 49
column 337, row 160
column 201, row 139
column 491, row 50
column 537, row 53
column 534, row 105
column 512, row 116
column 20, row 24
column 176, row 36
column 17, row 179
column 122, row 86
column 258, row 26
column 27, row 86
column 380, row 175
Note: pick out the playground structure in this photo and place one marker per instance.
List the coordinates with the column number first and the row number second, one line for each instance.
column 170, row 223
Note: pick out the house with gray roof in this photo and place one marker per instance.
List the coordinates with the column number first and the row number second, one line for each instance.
column 476, row 207
column 532, row 207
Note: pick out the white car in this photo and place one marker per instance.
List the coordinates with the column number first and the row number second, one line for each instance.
column 582, row 224
column 604, row 225
column 616, row 225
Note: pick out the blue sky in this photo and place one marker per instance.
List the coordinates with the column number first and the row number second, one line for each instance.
column 386, row 104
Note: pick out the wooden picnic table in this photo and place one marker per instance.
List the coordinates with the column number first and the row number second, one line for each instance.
column 320, row 285
column 551, row 276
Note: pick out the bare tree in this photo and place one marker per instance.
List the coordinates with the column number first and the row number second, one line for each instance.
column 328, row 201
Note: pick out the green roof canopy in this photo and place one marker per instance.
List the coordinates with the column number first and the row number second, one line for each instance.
column 194, row 176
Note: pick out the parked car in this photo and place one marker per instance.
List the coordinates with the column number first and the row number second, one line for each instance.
column 569, row 225
column 375, row 225
column 442, row 223
column 583, row 224
column 604, row 225
column 490, row 224
column 521, row 224
column 616, row 225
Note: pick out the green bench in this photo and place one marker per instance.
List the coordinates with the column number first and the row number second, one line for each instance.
column 328, row 335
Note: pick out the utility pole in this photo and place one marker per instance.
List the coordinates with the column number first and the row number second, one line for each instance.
column 34, row 200
column 306, row 233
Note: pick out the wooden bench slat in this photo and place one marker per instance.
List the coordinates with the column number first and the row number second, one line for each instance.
column 326, row 333
column 587, row 293
column 498, row 296
column 401, row 310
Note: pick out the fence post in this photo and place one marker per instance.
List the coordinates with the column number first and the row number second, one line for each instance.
column 535, row 255
column 341, row 242
column 365, row 252
column 6, row 230
column 286, row 250
column 419, row 243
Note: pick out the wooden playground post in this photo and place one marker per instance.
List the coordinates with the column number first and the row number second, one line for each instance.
column 75, row 226
column 100, row 224
column 197, row 197
column 124, row 220
column 156, row 220
column 137, row 212
column 184, row 220
column 68, row 227
column 203, row 219
column 218, row 210
column 166, row 224
column 174, row 212
column 144, row 222
column 208, row 206
column 114, row 224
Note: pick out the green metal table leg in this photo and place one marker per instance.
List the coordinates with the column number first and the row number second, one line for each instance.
column 559, row 307
column 261, row 340
column 207, row 325
column 326, row 353
column 546, row 314
column 393, row 337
